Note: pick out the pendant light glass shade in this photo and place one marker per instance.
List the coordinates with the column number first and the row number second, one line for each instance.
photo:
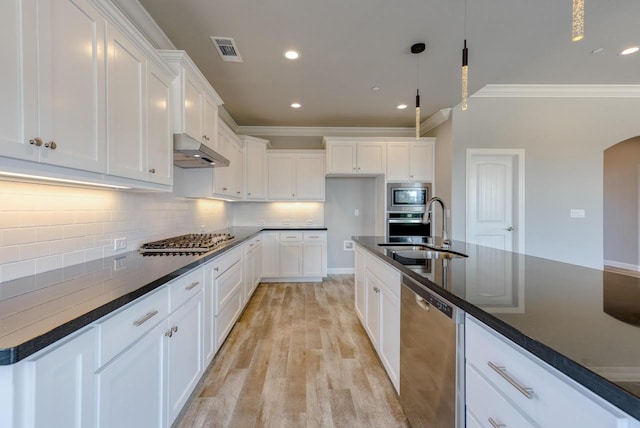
column 417, row 49
column 465, row 77
column 577, row 23
column 417, row 114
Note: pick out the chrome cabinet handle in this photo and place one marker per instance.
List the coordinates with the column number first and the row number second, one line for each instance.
column 376, row 289
column 193, row 284
column 495, row 424
column 36, row 141
column 215, row 269
column 314, row 236
column 502, row 371
column 509, row 229
column 174, row 328
column 145, row 318
column 224, row 188
column 248, row 193
column 422, row 303
column 169, row 333
column 152, row 170
column 51, row 145
column 238, row 193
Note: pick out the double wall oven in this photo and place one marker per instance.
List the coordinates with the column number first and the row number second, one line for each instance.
column 406, row 204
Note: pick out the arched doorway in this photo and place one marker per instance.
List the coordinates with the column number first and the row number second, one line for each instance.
column 621, row 214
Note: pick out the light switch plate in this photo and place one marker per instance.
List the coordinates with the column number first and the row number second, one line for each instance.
column 347, row 245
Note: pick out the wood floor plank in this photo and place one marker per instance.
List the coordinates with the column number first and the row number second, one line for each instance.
column 298, row 357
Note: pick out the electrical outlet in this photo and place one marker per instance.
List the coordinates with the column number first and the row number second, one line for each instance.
column 260, row 222
column 577, row 213
column 309, row 222
column 286, row 222
column 356, row 212
column 119, row 244
column 120, row 263
column 347, row 245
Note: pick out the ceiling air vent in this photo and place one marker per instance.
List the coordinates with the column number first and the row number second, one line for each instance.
column 227, row 48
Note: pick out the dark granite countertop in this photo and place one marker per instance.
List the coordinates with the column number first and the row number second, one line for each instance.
column 584, row 322
column 38, row 310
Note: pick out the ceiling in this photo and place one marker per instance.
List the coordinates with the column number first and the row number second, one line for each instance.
column 349, row 46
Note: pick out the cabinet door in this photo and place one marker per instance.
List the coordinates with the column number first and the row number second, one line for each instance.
column 159, row 126
column 130, row 388
column 310, row 178
column 256, row 171
column 313, row 259
column 63, row 384
column 372, row 158
column 341, row 158
column 421, row 161
column 69, row 108
column 184, row 355
column 210, row 345
column 282, row 175
column 291, row 259
column 193, row 108
column 398, row 160
column 238, row 171
column 257, row 265
column 12, row 140
column 126, row 106
column 372, row 317
column 210, row 136
column 270, row 254
column 224, row 177
column 390, row 334
column 360, row 290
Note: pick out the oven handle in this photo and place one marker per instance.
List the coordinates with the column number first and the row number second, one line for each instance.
column 405, row 221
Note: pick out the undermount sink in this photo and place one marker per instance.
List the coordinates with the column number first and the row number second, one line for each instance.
column 419, row 252
column 404, row 247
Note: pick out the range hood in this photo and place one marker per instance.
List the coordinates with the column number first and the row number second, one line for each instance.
column 191, row 153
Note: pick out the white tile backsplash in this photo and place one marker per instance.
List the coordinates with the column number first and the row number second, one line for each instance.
column 44, row 227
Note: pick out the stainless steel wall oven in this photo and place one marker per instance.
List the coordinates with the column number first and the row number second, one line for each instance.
column 405, row 206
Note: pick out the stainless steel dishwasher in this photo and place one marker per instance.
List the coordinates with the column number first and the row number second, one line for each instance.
column 431, row 358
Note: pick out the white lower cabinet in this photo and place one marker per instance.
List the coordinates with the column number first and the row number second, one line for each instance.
column 59, row 384
column 377, row 303
column 546, row 397
column 252, row 266
column 299, row 255
column 120, row 404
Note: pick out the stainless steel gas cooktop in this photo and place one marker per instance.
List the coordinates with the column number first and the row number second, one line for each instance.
column 194, row 243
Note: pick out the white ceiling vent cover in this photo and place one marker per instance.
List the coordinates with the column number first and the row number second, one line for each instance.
column 227, row 49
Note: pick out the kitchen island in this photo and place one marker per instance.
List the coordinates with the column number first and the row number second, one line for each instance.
column 583, row 322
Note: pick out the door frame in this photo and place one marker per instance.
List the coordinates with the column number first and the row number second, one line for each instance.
column 518, row 189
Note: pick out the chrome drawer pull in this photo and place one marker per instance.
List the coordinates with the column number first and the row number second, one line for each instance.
column 193, row 284
column 527, row 392
column 495, row 424
column 145, row 318
column 314, row 236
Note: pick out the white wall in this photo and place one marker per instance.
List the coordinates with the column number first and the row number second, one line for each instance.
column 44, row 227
column 564, row 140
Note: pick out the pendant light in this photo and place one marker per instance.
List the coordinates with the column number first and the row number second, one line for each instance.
column 465, row 65
column 417, row 49
column 577, row 23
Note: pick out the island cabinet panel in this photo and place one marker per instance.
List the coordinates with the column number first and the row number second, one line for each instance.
column 270, row 254
column 532, row 390
column 59, row 385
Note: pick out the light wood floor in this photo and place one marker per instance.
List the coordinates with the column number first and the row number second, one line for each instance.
column 298, row 357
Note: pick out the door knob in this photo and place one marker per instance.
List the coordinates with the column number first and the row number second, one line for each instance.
column 509, row 229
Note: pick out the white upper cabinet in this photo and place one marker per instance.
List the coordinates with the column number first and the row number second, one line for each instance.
column 159, row 123
column 64, row 83
column 255, row 150
column 296, row 175
column 346, row 156
column 410, row 160
column 229, row 181
column 195, row 107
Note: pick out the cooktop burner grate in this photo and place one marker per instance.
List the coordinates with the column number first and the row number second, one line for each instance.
column 193, row 243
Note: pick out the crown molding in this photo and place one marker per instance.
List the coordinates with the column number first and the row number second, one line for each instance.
column 226, row 118
column 434, row 120
column 141, row 19
column 310, row 131
column 558, row 91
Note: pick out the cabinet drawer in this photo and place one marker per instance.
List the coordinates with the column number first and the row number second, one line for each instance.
column 485, row 402
column 388, row 275
column 185, row 287
column 120, row 330
column 290, row 236
column 226, row 285
column 251, row 245
column 225, row 261
column 314, row 236
column 555, row 399
column 227, row 316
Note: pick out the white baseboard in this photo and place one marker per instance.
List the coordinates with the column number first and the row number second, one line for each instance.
column 341, row 271
column 627, row 266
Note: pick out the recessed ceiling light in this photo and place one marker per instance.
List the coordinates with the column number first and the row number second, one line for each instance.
column 292, row 54
column 296, row 105
column 630, row 50
column 375, row 88
column 402, row 106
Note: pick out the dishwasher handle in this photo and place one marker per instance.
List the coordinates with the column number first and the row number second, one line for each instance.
column 424, row 305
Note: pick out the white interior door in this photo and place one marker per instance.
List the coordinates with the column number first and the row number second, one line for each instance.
column 495, row 195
